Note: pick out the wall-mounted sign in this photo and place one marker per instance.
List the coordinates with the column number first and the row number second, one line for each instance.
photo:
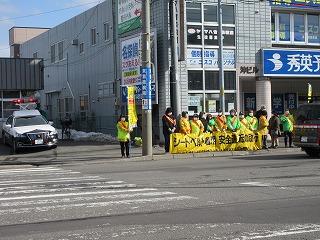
column 128, row 15
column 210, row 58
column 248, row 70
column 295, row 3
column 278, row 62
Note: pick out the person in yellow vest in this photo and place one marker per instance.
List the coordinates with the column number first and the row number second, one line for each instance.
column 124, row 136
column 184, row 124
column 263, row 128
column 221, row 122
column 196, row 125
column 252, row 120
column 287, row 123
column 244, row 125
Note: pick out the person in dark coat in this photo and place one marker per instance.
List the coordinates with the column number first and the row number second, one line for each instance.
column 274, row 128
column 169, row 126
column 262, row 110
column 203, row 120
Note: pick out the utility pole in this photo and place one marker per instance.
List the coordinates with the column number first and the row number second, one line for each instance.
column 175, row 83
column 146, row 81
column 221, row 71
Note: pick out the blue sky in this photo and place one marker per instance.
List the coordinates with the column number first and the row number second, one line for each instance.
column 36, row 13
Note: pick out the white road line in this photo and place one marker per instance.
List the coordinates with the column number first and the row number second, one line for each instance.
column 82, row 199
column 9, row 183
column 75, row 194
column 300, row 229
column 60, row 189
column 28, row 170
column 91, row 205
column 257, row 184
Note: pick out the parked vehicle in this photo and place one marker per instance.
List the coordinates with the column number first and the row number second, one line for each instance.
column 28, row 128
column 306, row 133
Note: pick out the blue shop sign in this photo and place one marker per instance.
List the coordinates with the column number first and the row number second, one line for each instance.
column 250, row 101
column 295, row 3
column 294, row 63
column 291, row 100
column 138, row 94
column 277, row 102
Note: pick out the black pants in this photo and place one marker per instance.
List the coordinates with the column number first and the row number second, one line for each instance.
column 264, row 141
column 166, row 141
column 287, row 135
column 125, row 146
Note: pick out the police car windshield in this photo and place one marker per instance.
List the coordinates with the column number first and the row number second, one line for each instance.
column 29, row 121
column 308, row 112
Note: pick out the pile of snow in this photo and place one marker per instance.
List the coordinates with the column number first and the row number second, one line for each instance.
column 90, row 136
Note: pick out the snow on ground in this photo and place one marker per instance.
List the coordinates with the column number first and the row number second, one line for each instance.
column 90, row 136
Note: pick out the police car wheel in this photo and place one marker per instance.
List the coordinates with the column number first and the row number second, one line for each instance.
column 14, row 145
column 313, row 152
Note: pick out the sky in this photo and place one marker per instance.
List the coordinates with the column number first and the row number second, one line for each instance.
column 37, row 13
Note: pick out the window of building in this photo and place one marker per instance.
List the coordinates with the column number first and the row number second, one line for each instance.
column 81, row 48
column 195, row 80
column 284, row 27
column 84, row 105
column 35, row 55
column 313, row 28
column 106, row 32
column 60, row 50
column 299, row 28
column 53, row 53
column 93, row 36
column 65, row 107
column 193, row 12
column 210, row 13
column 295, row 28
column 212, row 80
column 228, row 14
column 105, row 89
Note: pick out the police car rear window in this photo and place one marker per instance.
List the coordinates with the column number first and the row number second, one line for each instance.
column 308, row 112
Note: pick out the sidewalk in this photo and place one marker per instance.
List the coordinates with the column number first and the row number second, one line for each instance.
column 70, row 151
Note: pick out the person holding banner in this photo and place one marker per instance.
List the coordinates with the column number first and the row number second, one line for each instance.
column 287, row 123
column 244, row 125
column 210, row 123
column 221, row 122
column 124, row 136
column 234, row 125
column 169, row 126
column 252, row 120
column 196, row 125
column 184, row 123
column 263, row 128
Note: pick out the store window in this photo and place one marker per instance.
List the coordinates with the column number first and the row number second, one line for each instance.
column 195, row 103
column 273, row 26
column 193, row 12
column 284, row 27
column 313, row 29
column 195, row 80
column 212, row 80
column 229, row 80
column 194, row 35
column 299, row 28
column 295, row 28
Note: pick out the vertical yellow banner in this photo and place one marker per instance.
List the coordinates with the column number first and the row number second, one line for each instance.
column 309, row 93
column 132, row 107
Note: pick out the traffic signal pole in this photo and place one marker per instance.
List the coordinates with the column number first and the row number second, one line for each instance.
column 146, row 81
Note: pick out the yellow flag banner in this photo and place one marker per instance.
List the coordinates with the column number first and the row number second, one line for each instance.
column 217, row 141
column 132, row 108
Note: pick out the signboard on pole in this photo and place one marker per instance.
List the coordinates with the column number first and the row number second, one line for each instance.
column 146, row 88
column 132, row 107
column 128, row 15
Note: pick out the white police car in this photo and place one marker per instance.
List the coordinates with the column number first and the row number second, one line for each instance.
column 28, row 128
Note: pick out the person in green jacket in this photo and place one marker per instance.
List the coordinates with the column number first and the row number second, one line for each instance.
column 244, row 125
column 233, row 121
column 252, row 120
column 234, row 124
column 287, row 122
column 210, row 123
column 124, row 136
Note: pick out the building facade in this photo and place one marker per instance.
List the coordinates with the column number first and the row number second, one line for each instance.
column 91, row 58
